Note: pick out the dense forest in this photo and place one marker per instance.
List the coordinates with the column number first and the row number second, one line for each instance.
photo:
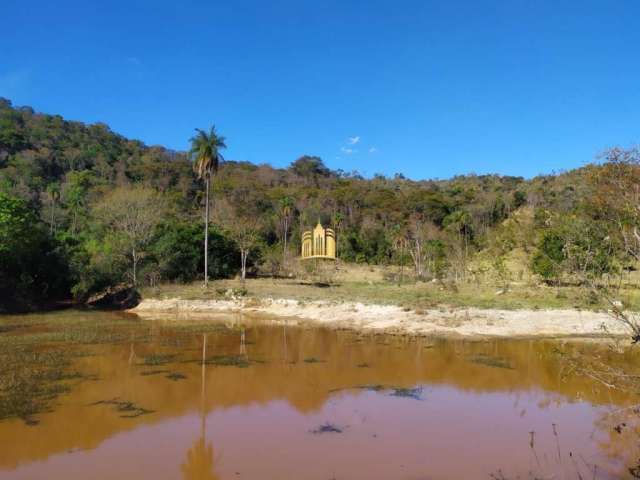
column 83, row 208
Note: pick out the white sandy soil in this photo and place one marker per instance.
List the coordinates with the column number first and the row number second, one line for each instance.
column 467, row 322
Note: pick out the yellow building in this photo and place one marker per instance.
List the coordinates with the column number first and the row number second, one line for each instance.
column 319, row 243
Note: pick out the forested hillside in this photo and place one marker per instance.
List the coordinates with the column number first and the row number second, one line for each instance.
column 83, row 208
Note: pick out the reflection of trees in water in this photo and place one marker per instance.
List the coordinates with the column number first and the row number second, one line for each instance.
column 200, row 460
column 622, row 442
column 549, row 459
column 515, row 368
column 243, row 345
column 613, row 370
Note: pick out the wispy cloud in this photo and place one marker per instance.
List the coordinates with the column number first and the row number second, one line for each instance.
column 133, row 61
column 373, row 150
column 353, row 140
column 347, row 151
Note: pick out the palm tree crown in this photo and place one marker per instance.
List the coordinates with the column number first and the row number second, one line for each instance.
column 205, row 150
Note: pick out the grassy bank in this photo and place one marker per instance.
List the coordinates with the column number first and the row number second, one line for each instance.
column 370, row 285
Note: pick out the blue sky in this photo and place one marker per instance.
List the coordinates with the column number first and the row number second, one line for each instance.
column 429, row 89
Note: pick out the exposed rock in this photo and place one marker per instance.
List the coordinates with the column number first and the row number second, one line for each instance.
column 119, row 297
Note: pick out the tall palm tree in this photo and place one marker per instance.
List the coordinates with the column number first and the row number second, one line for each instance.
column 286, row 210
column 53, row 192
column 205, row 151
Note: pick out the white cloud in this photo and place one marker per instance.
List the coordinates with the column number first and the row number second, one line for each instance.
column 373, row 150
column 347, row 151
column 353, row 140
column 133, row 61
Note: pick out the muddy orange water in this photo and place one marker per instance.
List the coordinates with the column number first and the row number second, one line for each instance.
column 276, row 401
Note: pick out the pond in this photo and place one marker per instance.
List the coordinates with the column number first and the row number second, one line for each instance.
column 105, row 395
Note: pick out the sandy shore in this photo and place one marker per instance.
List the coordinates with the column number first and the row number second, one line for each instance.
column 468, row 322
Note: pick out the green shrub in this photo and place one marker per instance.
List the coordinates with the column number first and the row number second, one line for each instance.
column 549, row 255
column 33, row 270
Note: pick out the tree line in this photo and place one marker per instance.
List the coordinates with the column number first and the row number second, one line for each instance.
column 83, row 208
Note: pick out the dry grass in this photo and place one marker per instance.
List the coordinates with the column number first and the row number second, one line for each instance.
column 380, row 288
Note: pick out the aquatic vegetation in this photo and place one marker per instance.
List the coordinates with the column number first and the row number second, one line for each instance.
column 24, row 397
column 490, row 361
column 129, row 409
column 381, row 393
column 369, row 388
column 81, row 334
column 176, row 341
column 158, row 359
column 9, row 328
column 415, row 393
column 188, row 327
column 372, row 388
column 327, row 428
column 239, row 361
column 154, row 372
column 312, row 360
column 36, row 358
column 31, row 380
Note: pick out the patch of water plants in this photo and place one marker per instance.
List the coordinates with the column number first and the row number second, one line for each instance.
column 327, row 428
column 402, row 392
column 9, row 327
column 126, row 408
column 240, row 361
column 490, row 361
column 147, row 373
column 415, row 393
column 175, row 376
column 312, row 360
column 36, row 358
column 158, row 359
column 31, row 380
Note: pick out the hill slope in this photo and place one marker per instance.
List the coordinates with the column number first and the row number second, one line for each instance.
column 63, row 170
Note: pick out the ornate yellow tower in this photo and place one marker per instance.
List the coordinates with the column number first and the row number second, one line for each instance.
column 319, row 243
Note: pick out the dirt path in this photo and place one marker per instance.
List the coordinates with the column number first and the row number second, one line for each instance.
column 468, row 322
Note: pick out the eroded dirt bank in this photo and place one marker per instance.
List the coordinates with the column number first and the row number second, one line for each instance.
column 468, row 322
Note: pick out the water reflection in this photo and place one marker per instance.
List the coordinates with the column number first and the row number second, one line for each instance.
column 256, row 392
column 199, row 462
column 200, row 459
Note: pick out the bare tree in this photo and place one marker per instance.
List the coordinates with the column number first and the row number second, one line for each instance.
column 400, row 243
column 244, row 226
column 420, row 231
column 615, row 198
column 134, row 213
column 415, row 242
column 616, row 195
column 246, row 233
